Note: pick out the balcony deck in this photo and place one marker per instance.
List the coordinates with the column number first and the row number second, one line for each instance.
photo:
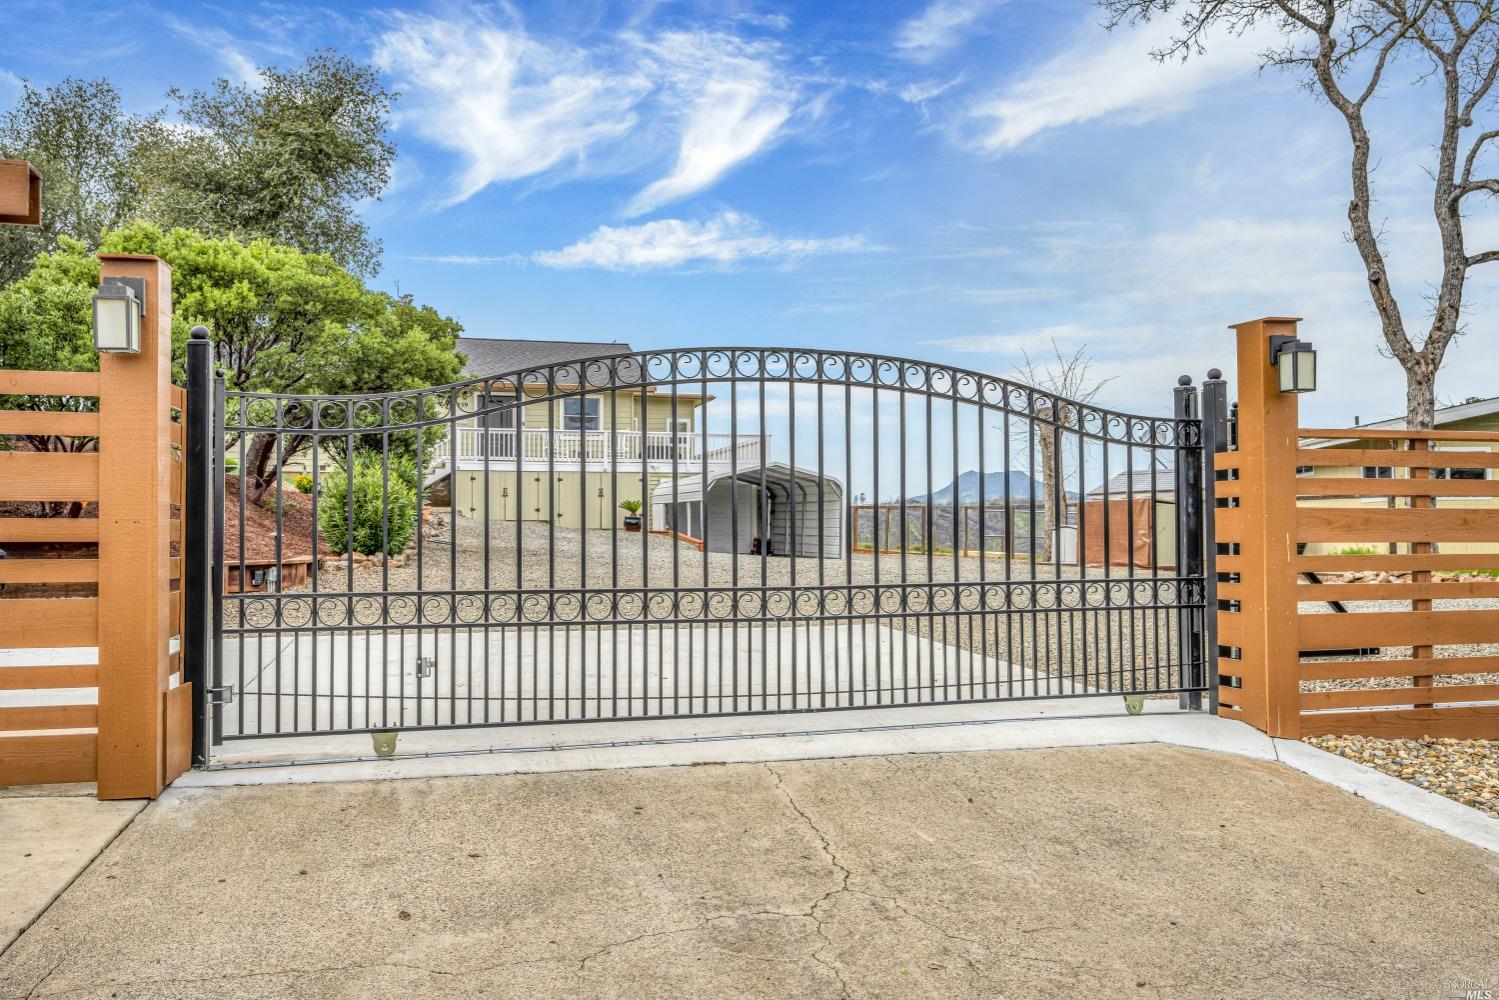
column 563, row 450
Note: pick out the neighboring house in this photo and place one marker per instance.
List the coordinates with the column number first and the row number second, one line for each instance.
column 571, row 460
column 1140, row 517
column 1477, row 415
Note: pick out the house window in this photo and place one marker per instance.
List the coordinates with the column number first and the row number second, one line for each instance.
column 580, row 414
column 498, row 420
column 1470, row 474
column 1378, row 472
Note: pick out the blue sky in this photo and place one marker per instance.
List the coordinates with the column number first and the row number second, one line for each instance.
column 959, row 180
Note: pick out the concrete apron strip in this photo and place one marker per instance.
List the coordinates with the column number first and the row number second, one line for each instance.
column 929, row 729
column 48, row 842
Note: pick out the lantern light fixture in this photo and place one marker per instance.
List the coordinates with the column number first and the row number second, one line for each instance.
column 1295, row 364
column 119, row 310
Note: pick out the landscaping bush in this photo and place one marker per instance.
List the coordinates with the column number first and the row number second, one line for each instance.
column 303, row 483
column 371, row 501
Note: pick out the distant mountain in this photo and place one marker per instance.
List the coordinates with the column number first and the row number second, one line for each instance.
column 996, row 486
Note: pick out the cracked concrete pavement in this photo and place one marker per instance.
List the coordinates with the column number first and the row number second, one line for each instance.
column 1145, row 870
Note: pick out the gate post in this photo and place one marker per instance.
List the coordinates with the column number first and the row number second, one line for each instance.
column 135, row 495
column 197, row 507
column 1215, row 439
column 1266, row 529
column 1189, row 540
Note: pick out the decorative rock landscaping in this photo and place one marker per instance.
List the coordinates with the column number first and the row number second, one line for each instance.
column 1465, row 771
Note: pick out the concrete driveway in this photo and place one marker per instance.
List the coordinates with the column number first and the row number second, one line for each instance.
column 1126, row 871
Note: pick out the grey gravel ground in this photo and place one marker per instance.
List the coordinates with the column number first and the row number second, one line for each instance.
column 1057, row 644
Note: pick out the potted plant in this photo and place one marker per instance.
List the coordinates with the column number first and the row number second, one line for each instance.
column 632, row 514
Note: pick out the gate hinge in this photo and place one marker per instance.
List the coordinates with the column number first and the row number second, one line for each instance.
column 221, row 696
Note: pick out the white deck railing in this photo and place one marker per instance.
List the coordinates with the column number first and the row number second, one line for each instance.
column 601, row 448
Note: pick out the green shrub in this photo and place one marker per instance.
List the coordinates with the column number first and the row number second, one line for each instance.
column 375, row 500
column 1355, row 550
column 303, row 483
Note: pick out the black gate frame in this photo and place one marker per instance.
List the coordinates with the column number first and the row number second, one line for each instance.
column 1195, row 440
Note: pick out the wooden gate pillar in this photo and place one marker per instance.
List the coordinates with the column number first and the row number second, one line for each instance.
column 135, row 495
column 1267, row 443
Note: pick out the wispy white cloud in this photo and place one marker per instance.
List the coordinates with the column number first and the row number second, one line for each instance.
column 668, row 243
column 514, row 105
column 511, row 106
column 1109, row 77
column 732, row 100
column 222, row 45
column 939, row 28
column 467, row 260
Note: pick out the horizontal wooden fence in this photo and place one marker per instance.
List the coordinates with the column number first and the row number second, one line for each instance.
column 91, row 685
column 1358, row 568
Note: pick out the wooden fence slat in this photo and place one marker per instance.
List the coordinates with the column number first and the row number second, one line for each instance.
column 49, row 717
column 48, row 529
column 40, row 622
column 1400, row 563
column 1229, row 523
column 1458, row 723
column 46, row 475
column 1314, row 486
column 1456, row 590
column 1385, row 434
column 49, row 570
column 1421, row 694
column 48, row 758
column 1450, row 524
column 1322, row 670
column 1224, row 460
column 1397, row 628
column 1230, row 629
column 1323, row 457
column 27, row 383
column 70, row 675
column 62, row 423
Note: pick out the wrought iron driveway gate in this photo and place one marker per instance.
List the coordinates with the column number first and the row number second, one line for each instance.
column 816, row 530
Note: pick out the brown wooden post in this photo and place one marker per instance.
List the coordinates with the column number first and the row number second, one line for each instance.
column 1268, row 439
column 135, row 463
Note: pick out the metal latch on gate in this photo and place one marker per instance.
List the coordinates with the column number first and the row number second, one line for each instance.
column 426, row 666
column 221, row 696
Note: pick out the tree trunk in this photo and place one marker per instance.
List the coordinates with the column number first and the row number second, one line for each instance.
column 1420, row 397
column 1049, row 518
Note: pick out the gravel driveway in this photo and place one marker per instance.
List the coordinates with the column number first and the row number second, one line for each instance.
column 1120, row 651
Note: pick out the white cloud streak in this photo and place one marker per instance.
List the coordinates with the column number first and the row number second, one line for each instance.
column 732, row 100
column 669, row 243
column 1110, row 77
column 939, row 28
column 509, row 105
column 514, row 106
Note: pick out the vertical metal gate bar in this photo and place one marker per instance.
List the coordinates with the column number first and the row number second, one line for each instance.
column 197, row 559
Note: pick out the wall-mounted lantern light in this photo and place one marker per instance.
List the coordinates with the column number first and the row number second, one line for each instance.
column 1295, row 364
column 119, row 307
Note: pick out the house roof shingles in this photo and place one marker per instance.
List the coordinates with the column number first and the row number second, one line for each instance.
column 494, row 356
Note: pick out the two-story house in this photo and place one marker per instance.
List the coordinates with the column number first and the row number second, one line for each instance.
column 573, row 459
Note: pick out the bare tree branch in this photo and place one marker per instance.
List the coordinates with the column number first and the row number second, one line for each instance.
column 1344, row 50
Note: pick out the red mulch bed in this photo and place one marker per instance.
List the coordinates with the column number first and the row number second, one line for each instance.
column 260, row 526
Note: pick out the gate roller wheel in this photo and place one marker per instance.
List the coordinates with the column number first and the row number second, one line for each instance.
column 1134, row 704
column 385, row 743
